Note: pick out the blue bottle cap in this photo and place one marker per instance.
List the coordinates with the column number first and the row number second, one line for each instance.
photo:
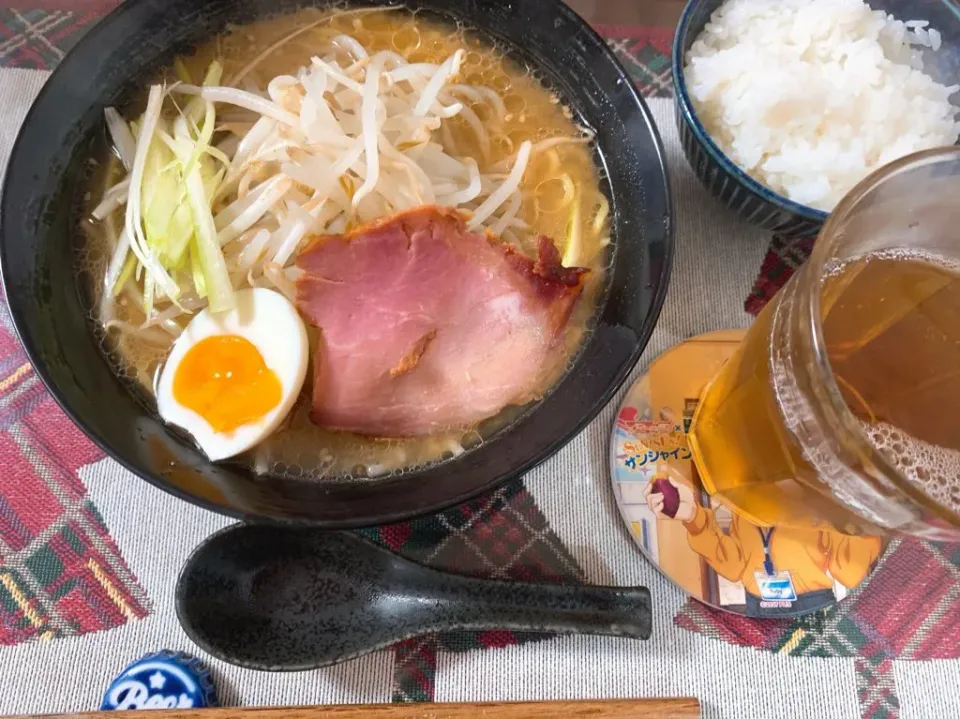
column 164, row 680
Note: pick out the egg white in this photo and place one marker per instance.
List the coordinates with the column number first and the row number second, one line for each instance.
column 268, row 321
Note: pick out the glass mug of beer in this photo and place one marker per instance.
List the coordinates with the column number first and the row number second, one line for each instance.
column 843, row 402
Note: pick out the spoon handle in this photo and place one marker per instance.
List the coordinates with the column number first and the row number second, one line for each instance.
column 482, row 604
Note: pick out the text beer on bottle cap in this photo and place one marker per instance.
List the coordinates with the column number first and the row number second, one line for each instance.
column 164, row 680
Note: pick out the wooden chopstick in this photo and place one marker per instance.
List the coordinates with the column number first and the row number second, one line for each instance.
column 606, row 709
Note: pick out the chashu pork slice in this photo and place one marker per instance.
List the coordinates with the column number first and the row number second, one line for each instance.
column 425, row 326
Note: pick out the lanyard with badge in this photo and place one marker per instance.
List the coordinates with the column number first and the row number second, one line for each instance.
column 774, row 586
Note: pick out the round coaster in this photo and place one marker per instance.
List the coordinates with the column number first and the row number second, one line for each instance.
column 714, row 554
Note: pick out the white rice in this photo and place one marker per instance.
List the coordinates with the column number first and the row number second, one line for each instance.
column 810, row 96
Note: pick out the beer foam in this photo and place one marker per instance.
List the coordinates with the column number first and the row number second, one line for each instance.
column 935, row 470
column 901, row 254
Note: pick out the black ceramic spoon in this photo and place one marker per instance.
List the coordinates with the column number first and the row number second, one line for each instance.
column 283, row 599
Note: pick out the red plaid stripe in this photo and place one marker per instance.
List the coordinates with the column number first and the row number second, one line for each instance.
column 783, row 259
column 37, row 38
column 503, row 536
column 731, row 628
column 60, row 573
column 645, row 53
column 876, row 689
column 908, row 609
column 416, row 669
column 908, row 600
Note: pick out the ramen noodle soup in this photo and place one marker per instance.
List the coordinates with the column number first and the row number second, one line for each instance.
column 344, row 242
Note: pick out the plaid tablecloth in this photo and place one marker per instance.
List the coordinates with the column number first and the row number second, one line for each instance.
column 89, row 554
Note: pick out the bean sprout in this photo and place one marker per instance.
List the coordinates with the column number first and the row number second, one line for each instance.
column 508, row 187
column 349, row 138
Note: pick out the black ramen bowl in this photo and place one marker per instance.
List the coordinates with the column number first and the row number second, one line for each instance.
column 49, row 304
column 750, row 199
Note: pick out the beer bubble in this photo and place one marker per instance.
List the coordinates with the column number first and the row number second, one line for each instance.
column 933, row 469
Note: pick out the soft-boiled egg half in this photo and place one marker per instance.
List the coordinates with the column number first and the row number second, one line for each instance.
column 233, row 377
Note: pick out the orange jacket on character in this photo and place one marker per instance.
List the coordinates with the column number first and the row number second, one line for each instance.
column 737, row 555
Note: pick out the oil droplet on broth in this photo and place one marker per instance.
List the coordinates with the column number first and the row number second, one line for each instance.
column 406, row 40
column 551, row 196
column 514, row 103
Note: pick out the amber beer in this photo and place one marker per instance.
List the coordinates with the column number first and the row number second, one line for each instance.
column 843, row 403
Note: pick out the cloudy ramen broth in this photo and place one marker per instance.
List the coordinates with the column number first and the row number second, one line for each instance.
column 555, row 178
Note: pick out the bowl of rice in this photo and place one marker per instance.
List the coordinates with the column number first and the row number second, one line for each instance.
column 784, row 105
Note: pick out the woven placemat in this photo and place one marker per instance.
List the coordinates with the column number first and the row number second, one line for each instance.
column 82, row 581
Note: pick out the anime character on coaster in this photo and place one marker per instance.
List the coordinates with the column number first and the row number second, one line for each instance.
column 785, row 571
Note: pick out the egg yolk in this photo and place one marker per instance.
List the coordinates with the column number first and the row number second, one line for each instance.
column 225, row 380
